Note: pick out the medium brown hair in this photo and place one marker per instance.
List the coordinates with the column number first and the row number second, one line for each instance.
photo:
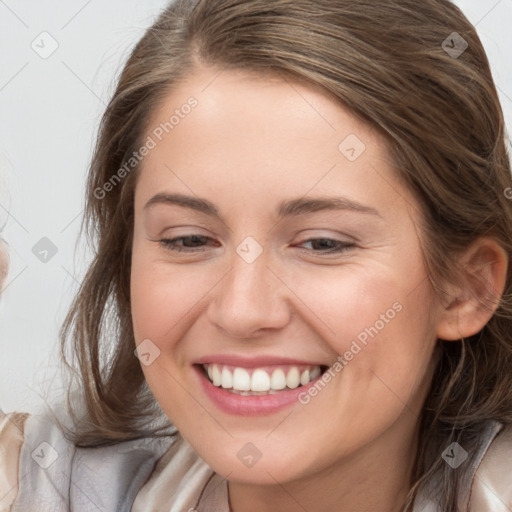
column 443, row 122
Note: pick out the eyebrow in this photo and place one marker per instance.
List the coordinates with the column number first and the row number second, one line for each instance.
column 288, row 208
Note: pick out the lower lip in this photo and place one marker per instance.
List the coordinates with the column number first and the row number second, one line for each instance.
column 250, row 405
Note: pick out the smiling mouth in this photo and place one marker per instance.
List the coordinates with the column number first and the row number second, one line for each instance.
column 261, row 381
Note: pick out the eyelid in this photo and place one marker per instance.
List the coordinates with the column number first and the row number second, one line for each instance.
column 183, row 230
column 330, row 234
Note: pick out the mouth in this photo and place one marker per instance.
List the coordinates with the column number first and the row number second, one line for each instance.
column 265, row 380
column 255, row 386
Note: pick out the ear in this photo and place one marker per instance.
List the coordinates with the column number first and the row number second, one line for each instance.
column 471, row 304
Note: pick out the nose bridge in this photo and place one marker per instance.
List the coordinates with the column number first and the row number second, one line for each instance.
column 249, row 281
column 250, row 298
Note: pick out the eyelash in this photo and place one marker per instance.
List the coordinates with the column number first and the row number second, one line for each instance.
column 171, row 244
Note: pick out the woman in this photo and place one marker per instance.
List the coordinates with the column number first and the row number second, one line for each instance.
column 303, row 244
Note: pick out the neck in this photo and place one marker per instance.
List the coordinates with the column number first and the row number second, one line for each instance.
column 378, row 477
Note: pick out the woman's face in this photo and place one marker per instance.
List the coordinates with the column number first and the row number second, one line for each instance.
column 272, row 242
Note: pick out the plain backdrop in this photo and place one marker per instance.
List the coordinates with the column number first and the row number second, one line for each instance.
column 59, row 61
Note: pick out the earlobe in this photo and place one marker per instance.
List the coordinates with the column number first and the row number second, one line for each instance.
column 473, row 302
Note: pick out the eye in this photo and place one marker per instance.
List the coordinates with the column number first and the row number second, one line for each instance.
column 188, row 243
column 328, row 245
column 198, row 243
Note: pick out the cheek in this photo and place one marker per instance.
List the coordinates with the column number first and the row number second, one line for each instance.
column 161, row 298
column 355, row 302
column 166, row 298
column 378, row 322
column 157, row 306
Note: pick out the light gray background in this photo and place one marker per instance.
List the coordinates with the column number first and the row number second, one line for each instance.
column 50, row 112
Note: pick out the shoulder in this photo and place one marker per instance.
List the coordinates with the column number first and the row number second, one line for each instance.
column 492, row 484
column 41, row 469
column 11, row 441
column 35, row 461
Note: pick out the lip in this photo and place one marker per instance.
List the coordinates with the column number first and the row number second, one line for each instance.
column 253, row 362
column 247, row 405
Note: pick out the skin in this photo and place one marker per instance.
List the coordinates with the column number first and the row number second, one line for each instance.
column 4, row 263
column 250, row 143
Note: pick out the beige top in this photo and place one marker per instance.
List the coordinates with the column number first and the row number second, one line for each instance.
column 182, row 482
column 11, row 439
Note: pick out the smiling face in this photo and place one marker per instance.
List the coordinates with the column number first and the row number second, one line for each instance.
column 272, row 241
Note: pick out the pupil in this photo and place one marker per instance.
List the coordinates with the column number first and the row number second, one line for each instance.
column 324, row 244
column 193, row 241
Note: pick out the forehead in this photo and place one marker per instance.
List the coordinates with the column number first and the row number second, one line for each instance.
column 260, row 136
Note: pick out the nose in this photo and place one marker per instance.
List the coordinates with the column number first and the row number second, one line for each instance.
column 250, row 300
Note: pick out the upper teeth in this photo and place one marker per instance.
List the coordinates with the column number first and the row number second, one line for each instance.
column 259, row 379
